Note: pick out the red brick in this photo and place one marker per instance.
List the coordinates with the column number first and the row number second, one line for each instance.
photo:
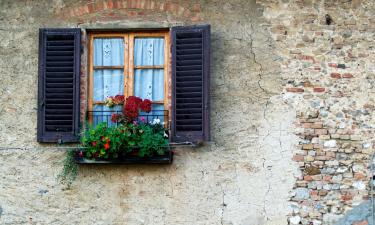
column 346, row 197
column 196, row 7
column 347, row 75
column 359, row 176
column 298, row 158
column 317, row 125
column 306, row 125
column 91, row 7
column 197, row 17
column 327, row 178
column 321, row 131
column 336, row 75
column 334, row 65
column 308, row 178
column 110, row 4
column 295, row 90
column 306, row 57
column 116, row 4
column 319, row 89
column 363, row 222
column 99, row 6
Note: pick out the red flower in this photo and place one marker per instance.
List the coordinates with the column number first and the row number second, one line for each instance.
column 102, row 138
column 133, row 99
column 145, row 105
column 115, row 117
column 132, row 106
column 93, row 143
column 80, row 154
column 106, row 146
column 118, row 99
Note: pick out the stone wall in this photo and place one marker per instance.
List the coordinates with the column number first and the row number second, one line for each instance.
column 292, row 88
column 326, row 55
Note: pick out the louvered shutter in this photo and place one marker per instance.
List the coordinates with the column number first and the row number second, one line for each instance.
column 58, row 94
column 190, row 78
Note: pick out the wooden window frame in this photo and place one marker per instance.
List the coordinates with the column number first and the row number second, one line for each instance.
column 128, row 67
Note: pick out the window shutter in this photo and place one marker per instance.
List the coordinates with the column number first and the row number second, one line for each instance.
column 190, row 78
column 58, row 94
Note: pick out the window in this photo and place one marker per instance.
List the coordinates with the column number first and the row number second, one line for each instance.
column 131, row 63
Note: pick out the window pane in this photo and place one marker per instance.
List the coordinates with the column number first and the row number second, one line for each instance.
column 108, row 52
column 149, row 83
column 148, row 51
column 108, row 83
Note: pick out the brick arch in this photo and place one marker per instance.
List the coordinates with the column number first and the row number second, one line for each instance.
column 132, row 8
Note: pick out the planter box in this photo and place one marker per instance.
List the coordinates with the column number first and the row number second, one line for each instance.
column 167, row 158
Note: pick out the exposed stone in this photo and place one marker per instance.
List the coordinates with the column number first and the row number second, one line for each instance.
column 359, row 185
column 295, row 220
column 302, row 193
column 330, row 144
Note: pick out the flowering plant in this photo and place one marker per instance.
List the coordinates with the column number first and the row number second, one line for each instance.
column 111, row 101
column 132, row 134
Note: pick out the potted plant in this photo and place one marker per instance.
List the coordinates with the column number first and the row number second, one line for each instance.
column 134, row 139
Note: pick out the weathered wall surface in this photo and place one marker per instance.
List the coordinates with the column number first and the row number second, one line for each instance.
column 243, row 176
column 292, row 122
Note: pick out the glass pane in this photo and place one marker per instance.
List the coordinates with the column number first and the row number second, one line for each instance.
column 108, row 52
column 149, row 83
column 108, row 83
column 103, row 113
column 148, row 51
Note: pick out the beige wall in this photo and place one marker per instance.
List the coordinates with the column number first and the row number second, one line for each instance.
column 246, row 175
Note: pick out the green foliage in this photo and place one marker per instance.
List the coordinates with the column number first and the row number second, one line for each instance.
column 70, row 169
column 152, row 140
column 112, row 142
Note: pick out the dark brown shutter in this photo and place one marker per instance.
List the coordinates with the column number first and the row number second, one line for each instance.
column 58, row 94
column 190, row 78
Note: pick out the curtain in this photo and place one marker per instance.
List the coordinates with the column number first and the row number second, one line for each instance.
column 107, row 82
column 149, row 83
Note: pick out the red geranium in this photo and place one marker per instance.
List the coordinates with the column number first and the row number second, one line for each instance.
column 106, row 146
column 132, row 106
column 93, row 143
column 115, row 117
column 145, row 105
column 118, row 99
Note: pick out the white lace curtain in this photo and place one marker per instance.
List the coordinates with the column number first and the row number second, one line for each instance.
column 148, row 83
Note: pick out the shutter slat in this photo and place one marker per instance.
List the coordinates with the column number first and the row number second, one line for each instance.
column 189, row 78
column 188, row 57
column 59, row 70
column 188, row 35
column 181, row 41
column 190, row 70
column 189, row 46
column 189, row 62
column 51, row 48
column 60, row 53
column 189, row 128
